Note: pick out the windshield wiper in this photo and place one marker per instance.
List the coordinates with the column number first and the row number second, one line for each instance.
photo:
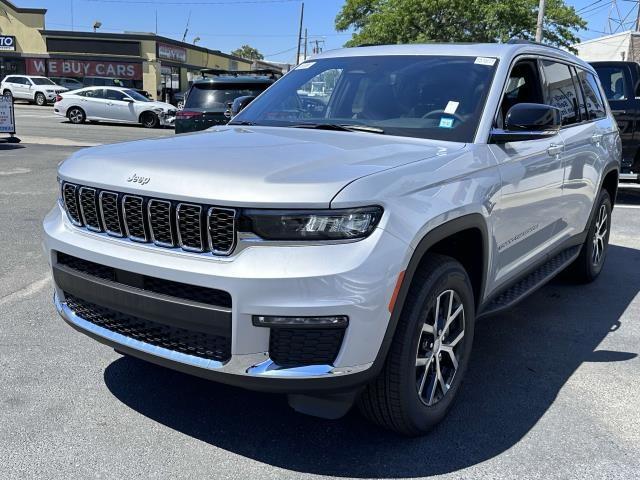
column 340, row 127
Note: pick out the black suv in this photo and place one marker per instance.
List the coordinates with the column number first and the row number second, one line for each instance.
column 209, row 100
column 621, row 84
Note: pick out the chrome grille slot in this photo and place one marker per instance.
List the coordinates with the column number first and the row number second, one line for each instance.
column 88, row 209
column 134, row 222
column 190, row 227
column 71, row 203
column 161, row 223
column 110, row 213
column 166, row 223
column 221, row 230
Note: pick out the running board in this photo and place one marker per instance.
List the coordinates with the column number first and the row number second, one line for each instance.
column 532, row 282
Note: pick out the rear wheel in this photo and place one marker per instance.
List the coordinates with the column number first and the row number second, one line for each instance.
column 429, row 354
column 40, row 99
column 589, row 263
column 149, row 120
column 76, row 115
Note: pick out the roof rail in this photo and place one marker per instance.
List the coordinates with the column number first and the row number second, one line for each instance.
column 273, row 73
column 524, row 41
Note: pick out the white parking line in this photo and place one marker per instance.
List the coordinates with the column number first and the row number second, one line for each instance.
column 628, row 206
column 57, row 141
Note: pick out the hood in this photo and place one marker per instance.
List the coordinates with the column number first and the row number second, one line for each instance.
column 52, row 88
column 247, row 166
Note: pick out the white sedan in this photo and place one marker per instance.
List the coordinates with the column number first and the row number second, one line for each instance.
column 113, row 104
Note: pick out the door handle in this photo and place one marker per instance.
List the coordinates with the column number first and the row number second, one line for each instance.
column 554, row 149
column 619, row 112
column 596, row 138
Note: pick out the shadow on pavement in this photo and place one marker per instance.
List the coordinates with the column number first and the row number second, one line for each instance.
column 10, row 146
column 628, row 194
column 117, row 124
column 521, row 360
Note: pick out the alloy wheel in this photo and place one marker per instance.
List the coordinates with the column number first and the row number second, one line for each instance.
column 75, row 116
column 600, row 235
column 440, row 348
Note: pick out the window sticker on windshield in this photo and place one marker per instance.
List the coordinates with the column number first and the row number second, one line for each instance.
column 446, row 122
column 451, row 107
column 485, row 61
column 302, row 66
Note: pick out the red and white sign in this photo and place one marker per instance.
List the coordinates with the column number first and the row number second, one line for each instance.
column 56, row 67
column 170, row 52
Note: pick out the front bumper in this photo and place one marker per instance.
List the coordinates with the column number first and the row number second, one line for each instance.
column 357, row 281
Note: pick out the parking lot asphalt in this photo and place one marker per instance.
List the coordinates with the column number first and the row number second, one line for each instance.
column 553, row 390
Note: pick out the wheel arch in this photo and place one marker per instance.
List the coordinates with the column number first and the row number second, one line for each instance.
column 145, row 112
column 469, row 231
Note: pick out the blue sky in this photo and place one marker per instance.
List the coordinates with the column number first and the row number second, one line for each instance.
column 269, row 25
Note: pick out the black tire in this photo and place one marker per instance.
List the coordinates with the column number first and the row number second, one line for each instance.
column 393, row 400
column 588, row 265
column 7, row 93
column 40, row 99
column 76, row 115
column 149, row 120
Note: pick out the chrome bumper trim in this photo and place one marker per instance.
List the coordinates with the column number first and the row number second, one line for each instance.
column 630, row 176
column 249, row 365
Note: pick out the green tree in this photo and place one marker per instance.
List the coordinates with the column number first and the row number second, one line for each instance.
column 248, row 52
column 414, row 21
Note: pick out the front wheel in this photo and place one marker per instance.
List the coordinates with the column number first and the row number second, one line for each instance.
column 40, row 99
column 430, row 351
column 588, row 265
column 149, row 120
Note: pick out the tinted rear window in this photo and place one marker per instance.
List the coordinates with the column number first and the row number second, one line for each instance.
column 216, row 96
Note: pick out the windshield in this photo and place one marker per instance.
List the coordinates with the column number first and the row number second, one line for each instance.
column 138, row 97
column 216, row 96
column 434, row 97
column 42, row 81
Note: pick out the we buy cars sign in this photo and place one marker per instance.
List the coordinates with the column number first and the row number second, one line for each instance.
column 57, row 67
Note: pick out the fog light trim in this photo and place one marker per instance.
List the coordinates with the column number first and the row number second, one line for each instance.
column 271, row 321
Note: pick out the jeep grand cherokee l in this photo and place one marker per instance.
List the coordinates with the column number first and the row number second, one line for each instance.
column 343, row 254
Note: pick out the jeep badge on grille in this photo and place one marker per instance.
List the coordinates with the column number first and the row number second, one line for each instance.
column 136, row 179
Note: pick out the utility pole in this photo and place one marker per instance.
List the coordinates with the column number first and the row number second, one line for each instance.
column 540, row 21
column 306, row 41
column 638, row 19
column 300, row 34
column 72, row 15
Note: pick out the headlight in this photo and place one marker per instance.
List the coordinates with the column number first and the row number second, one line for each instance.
column 344, row 224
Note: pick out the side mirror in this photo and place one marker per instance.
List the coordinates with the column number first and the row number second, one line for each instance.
column 528, row 121
column 128, row 100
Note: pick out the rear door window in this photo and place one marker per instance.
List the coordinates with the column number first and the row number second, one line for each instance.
column 560, row 90
column 594, row 101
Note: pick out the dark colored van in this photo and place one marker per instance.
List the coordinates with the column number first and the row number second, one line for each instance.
column 209, row 99
column 621, row 84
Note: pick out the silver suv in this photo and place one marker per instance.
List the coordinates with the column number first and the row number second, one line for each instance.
column 341, row 250
column 39, row 90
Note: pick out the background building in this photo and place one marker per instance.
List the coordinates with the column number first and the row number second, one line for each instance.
column 142, row 60
column 619, row 46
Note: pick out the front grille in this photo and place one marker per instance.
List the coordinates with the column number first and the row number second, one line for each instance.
column 192, row 227
column 87, row 198
column 295, row 347
column 110, row 213
column 195, row 293
column 133, row 210
column 190, row 342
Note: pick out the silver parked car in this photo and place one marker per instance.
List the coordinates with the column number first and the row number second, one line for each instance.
column 113, row 104
column 342, row 252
